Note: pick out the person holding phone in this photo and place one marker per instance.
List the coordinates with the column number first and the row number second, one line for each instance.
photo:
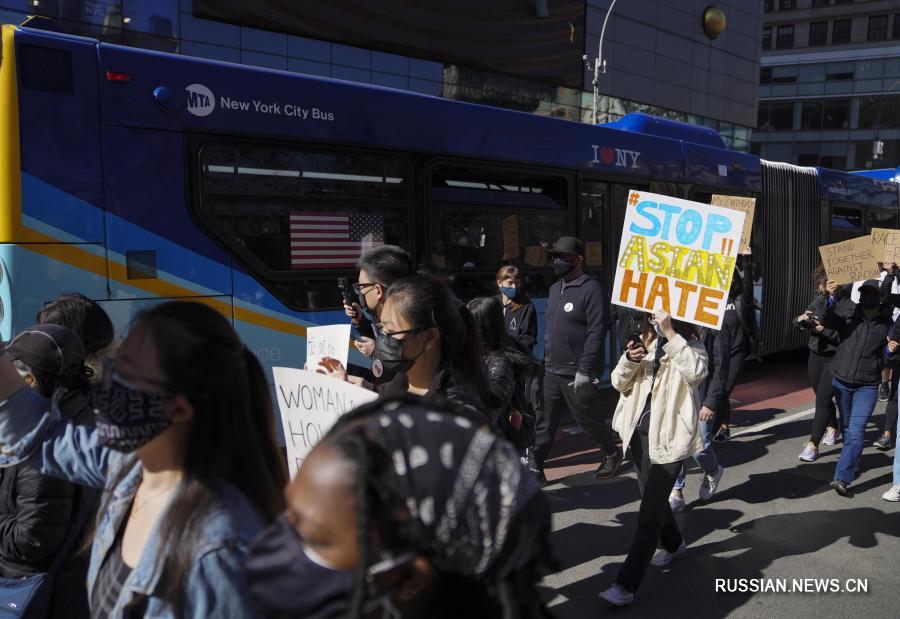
column 656, row 417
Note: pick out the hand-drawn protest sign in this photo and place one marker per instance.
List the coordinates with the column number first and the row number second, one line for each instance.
column 850, row 261
column 746, row 206
column 327, row 341
column 677, row 255
column 309, row 404
column 887, row 245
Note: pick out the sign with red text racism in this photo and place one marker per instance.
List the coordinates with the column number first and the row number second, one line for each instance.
column 309, row 404
column 678, row 256
column 887, row 245
column 850, row 261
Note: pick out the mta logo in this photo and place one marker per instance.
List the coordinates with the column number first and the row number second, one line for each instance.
column 200, row 100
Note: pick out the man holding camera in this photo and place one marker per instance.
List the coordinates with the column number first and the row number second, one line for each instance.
column 379, row 267
column 573, row 358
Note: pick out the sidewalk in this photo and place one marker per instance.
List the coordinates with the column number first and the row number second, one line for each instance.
column 777, row 385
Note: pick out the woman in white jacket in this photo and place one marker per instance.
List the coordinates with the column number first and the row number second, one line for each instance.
column 656, row 417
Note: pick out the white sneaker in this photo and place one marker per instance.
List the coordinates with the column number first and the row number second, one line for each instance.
column 617, row 595
column 831, row 437
column 892, row 495
column 663, row 557
column 676, row 502
column 710, row 484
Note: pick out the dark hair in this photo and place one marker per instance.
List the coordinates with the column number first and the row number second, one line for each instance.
column 737, row 286
column 386, row 263
column 232, row 435
column 379, row 504
column 85, row 317
column 427, row 301
column 488, row 315
column 819, row 275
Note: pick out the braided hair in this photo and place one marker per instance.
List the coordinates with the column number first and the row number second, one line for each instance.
column 384, row 504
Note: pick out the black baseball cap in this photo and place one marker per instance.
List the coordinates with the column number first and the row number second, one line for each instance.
column 871, row 283
column 568, row 245
column 49, row 348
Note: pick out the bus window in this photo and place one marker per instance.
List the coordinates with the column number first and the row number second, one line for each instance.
column 297, row 216
column 882, row 218
column 846, row 223
column 593, row 211
column 482, row 218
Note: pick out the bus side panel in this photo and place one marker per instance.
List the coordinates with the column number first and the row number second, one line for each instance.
column 149, row 227
column 35, row 273
column 59, row 112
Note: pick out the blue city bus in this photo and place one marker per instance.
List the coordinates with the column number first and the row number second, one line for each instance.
column 134, row 176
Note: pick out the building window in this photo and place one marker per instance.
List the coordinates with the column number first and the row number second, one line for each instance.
column 785, row 37
column 811, row 116
column 835, row 162
column 767, row 6
column 767, row 38
column 878, row 27
column 808, row 160
column 843, row 1
column 840, row 31
column 877, row 112
column 838, row 76
column 836, row 114
column 765, row 75
column 895, row 34
column 776, row 116
column 818, row 3
column 786, row 5
column 818, row 33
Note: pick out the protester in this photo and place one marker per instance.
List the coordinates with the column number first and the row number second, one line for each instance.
column 429, row 346
column 184, row 449
column 888, row 436
column 738, row 314
column 574, row 358
column 509, row 370
column 42, row 516
column 87, row 319
column 711, row 392
column 518, row 310
column 379, row 267
column 656, row 417
column 823, row 344
column 857, row 372
column 406, row 510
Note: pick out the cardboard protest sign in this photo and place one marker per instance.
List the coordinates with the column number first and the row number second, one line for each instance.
column 677, row 255
column 746, row 206
column 309, row 404
column 327, row 341
column 510, row 237
column 887, row 245
column 850, row 261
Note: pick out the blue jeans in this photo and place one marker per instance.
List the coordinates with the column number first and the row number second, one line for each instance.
column 856, row 403
column 705, row 458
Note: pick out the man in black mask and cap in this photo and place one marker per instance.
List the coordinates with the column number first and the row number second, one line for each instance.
column 573, row 358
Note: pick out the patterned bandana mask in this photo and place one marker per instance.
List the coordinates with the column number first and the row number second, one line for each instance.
column 126, row 418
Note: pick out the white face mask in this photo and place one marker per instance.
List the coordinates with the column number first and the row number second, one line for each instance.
column 656, row 327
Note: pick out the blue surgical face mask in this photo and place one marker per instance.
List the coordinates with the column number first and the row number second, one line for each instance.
column 509, row 292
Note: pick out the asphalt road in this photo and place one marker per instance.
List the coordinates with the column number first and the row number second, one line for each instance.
column 773, row 518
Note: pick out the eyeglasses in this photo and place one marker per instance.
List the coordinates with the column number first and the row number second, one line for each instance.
column 110, row 374
column 357, row 287
column 566, row 257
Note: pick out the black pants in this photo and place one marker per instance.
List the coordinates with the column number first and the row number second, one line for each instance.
column 735, row 366
column 585, row 408
column 820, row 378
column 890, row 413
column 656, row 524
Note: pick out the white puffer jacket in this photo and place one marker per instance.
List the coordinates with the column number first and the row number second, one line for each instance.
column 674, row 432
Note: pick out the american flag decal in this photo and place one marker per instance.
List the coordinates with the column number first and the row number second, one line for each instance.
column 332, row 240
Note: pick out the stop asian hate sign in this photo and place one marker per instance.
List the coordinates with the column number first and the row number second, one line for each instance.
column 678, row 256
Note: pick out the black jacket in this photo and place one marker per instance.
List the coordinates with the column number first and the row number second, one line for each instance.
column 826, row 342
column 576, row 327
column 522, row 325
column 445, row 388
column 860, row 354
column 508, row 370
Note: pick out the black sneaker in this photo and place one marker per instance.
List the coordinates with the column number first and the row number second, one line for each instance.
column 838, row 486
column 722, row 435
column 883, row 443
column 609, row 466
column 884, row 392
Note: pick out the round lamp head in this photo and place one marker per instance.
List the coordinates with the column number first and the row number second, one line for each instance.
column 713, row 21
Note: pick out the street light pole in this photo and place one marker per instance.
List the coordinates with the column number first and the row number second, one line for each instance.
column 599, row 65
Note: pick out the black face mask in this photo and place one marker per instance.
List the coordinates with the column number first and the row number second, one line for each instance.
column 869, row 303
column 286, row 579
column 126, row 418
column 388, row 359
column 562, row 267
